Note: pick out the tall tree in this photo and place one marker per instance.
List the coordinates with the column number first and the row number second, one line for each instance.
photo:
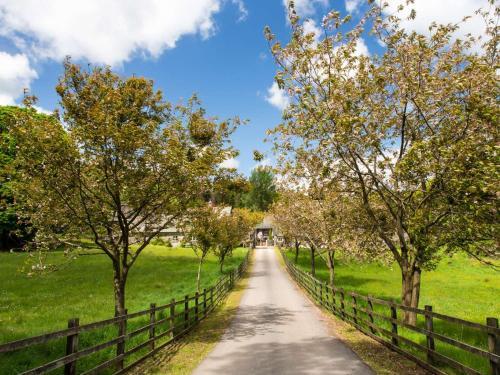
column 14, row 230
column 230, row 189
column 287, row 222
column 293, row 218
column 325, row 220
column 411, row 132
column 202, row 227
column 124, row 166
column 233, row 230
column 262, row 191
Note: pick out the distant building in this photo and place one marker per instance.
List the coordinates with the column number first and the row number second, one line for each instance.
column 172, row 234
column 175, row 235
column 266, row 233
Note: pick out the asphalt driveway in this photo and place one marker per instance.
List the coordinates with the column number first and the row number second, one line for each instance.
column 277, row 330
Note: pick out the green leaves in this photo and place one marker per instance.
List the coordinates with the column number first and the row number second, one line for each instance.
column 15, row 229
column 408, row 134
column 262, row 191
column 123, row 167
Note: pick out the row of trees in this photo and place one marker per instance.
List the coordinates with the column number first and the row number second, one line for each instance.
column 118, row 164
column 256, row 193
column 394, row 153
column 324, row 222
column 212, row 229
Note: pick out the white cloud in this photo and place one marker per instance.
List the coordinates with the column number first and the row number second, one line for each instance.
column 309, row 26
column 231, row 163
column 306, row 8
column 43, row 110
column 442, row 11
column 16, row 74
column 352, row 6
column 361, row 48
column 277, row 97
column 104, row 31
column 241, row 9
column 266, row 162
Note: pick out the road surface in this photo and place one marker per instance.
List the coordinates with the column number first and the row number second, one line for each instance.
column 277, row 330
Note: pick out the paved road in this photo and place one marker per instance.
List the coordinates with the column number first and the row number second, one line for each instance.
column 277, row 330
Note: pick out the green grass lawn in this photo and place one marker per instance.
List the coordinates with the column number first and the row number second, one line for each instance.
column 461, row 287
column 83, row 288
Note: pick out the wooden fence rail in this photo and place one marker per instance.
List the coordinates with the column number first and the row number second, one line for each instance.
column 168, row 322
column 368, row 314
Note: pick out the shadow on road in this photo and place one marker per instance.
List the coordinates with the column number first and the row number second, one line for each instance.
column 311, row 356
column 257, row 320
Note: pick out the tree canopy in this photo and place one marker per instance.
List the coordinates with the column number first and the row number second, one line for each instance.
column 411, row 133
column 14, row 230
column 125, row 165
column 262, row 190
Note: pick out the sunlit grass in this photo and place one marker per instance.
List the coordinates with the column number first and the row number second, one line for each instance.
column 460, row 286
column 83, row 288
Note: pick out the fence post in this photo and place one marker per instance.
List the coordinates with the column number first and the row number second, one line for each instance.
column 196, row 299
column 152, row 320
column 172, row 318
column 429, row 326
column 328, row 303
column 342, row 304
column 204, row 302
column 186, row 312
column 231, row 280
column 333, row 308
column 211, row 298
column 120, row 346
column 493, row 345
column 394, row 316
column 72, row 346
column 354, row 308
column 321, row 293
column 370, row 315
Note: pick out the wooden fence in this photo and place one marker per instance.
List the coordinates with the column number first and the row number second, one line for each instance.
column 165, row 324
column 433, row 349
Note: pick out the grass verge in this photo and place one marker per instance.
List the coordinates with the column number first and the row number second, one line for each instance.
column 184, row 356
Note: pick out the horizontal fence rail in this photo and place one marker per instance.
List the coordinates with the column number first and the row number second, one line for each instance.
column 165, row 324
column 423, row 343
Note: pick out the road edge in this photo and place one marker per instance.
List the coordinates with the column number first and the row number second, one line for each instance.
column 183, row 357
column 378, row 357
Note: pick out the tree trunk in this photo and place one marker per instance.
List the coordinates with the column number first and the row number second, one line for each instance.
column 313, row 261
column 119, row 287
column 410, row 293
column 331, row 266
column 297, row 246
column 198, row 277
column 222, row 257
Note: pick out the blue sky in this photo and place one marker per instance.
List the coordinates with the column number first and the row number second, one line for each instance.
column 214, row 48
